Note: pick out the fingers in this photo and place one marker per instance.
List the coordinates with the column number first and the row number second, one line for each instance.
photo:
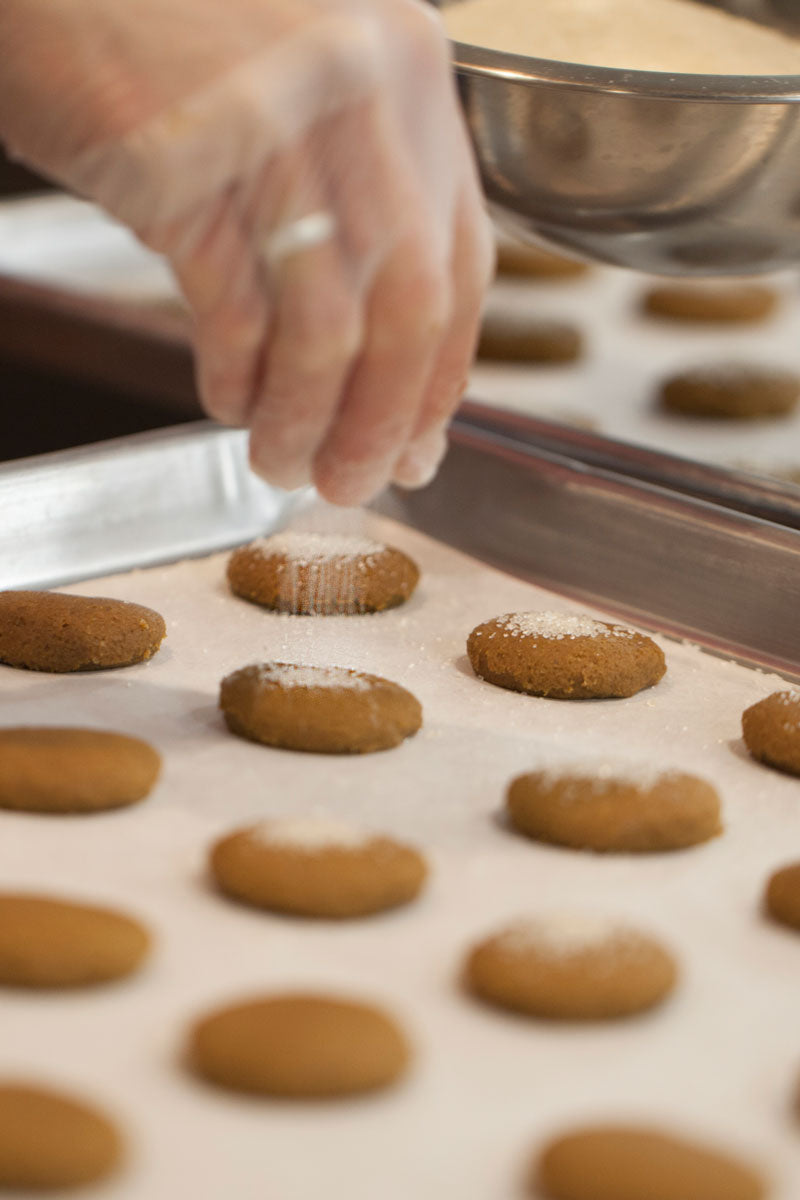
column 407, row 311
column 471, row 266
column 315, row 337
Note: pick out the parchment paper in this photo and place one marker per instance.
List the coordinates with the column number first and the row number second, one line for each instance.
column 719, row 1061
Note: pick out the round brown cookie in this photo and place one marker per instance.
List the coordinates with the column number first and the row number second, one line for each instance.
column 534, row 262
column 48, row 943
column 782, row 896
column 564, row 657
column 621, row 1162
column 712, row 302
column 608, row 808
column 326, row 710
column 50, row 631
column 316, row 868
column 731, row 390
column 52, row 1141
column 522, row 337
column 299, row 1045
column 322, row 573
column 64, row 770
column 571, row 967
column 771, row 731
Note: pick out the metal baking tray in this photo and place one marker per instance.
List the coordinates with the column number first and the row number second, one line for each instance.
column 672, row 560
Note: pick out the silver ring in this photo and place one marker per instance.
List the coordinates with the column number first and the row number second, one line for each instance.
column 303, row 234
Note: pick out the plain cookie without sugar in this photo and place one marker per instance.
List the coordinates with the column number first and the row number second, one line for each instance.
column 316, row 868
column 571, row 967
column 782, row 896
column 731, row 391
column 771, row 731
column 49, row 943
column 522, row 337
column 621, row 1162
column 607, row 808
column 63, row 770
column 299, row 1045
column 534, row 262
column 324, row 710
column 564, row 657
column 317, row 573
column 714, row 303
column 50, row 1141
column 51, row 631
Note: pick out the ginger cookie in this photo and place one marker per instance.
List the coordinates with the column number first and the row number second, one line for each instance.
column 731, row 390
column 523, row 337
column 608, row 808
column 51, row 1141
column 711, row 302
column 571, row 967
column 316, row 868
column 63, row 770
column 326, row 710
column 534, row 262
column 621, row 1162
column 322, row 573
column 299, row 1045
column 49, row 943
column 564, row 657
column 782, row 896
column 771, row 730
column 50, row 631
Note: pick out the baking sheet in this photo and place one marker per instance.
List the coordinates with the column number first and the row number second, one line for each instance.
column 614, row 386
column 70, row 244
column 720, row 1060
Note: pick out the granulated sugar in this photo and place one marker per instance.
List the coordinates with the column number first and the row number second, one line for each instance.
column 297, row 675
column 603, row 775
column 304, row 549
column 644, row 35
column 556, row 625
column 310, row 833
column 564, row 935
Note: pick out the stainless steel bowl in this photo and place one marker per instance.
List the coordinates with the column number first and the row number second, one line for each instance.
column 675, row 174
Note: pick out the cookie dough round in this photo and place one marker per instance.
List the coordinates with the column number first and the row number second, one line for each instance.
column 621, row 1162
column 299, row 1045
column 51, row 631
column 320, row 573
column 771, row 731
column 48, row 943
column 571, row 967
column 731, row 390
column 711, row 302
column 608, row 808
column 325, row 710
column 523, row 337
column 316, row 868
column 782, row 896
column 534, row 262
column 51, row 1141
column 51, row 769
column 564, row 657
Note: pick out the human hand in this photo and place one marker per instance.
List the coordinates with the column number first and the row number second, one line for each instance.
column 304, row 166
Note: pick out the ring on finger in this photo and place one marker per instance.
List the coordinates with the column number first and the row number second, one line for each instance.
column 305, row 233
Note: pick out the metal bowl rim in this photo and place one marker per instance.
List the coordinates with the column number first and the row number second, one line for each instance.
column 654, row 85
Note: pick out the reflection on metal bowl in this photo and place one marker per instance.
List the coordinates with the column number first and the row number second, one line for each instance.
column 675, row 174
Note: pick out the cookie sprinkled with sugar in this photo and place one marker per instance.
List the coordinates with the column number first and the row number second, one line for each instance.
column 303, row 549
column 557, row 625
column 564, row 935
column 310, row 834
column 603, row 774
column 297, row 675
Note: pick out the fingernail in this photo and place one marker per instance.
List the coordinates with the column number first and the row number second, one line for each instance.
column 420, row 461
